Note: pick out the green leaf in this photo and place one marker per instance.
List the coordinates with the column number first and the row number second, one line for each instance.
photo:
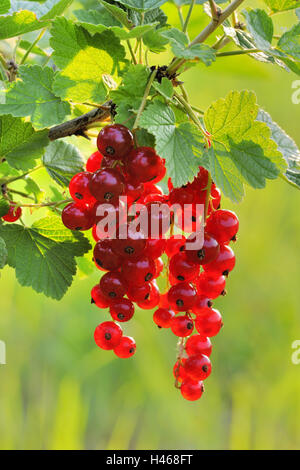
column 44, row 254
column 151, row 16
column 31, row 187
column 84, row 59
column 282, row 5
column 44, row 11
column 155, row 41
column 142, row 5
column 4, row 7
column 294, row 177
column 180, row 47
column 19, row 23
column 100, row 16
column 165, row 88
column 173, row 143
column 129, row 95
column 4, row 206
column 20, row 144
column 32, row 96
column 290, row 42
column 63, row 161
column 260, row 25
column 118, row 13
column 25, row 45
column 3, row 253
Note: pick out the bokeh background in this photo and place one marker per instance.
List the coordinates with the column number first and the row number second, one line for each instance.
column 59, row 391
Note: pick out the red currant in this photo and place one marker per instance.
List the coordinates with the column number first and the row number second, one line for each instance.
column 144, row 164
column 79, row 187
column 223, row 263
column 153, row 299
column 204, row 254
column 182, row 296
column 197, row 367
column 129, row 243
column 201, row 302
column 139, row 293
column 115, row 141
column 211, row 285
column 182, row 268
column 105, row 257
column 113, row 285
column 191, row 390
column 108, row 335
column 77, row 216
column 94, row 162
column 182, row 325
column 107, row 185
column 139, row 271
column 122, row 310
column 13, row 214
column 163, row 317
column 223, row 225
column 198, row 344
column 209, row 322
column 126, row 348
column 178, row 370
column 174, row 244
column 181, row 196
column 155, row 247
column 98, row 298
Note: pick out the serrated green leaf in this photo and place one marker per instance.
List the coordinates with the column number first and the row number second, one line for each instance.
column 84, row 60
column 32, row 96
column 3, row 253
column 20, row 144
column 180, row 47
column 282, row 5
column 151, row 16
column 294, row 177
column 260, row 25
column 44, row 254
column 142, row 5
column 4, row 206
column 165, row 88
column 100, row 16
column 44, row 11
column 290, row 42
column 63, row 161
column 118, row 13
column 19, row 23
column 4, row 7
column 155, row 41
column 173, row 143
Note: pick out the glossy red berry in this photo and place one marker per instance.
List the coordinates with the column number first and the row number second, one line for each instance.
column 211, row 285
column 192, row 390
column 182, row 296
column 174, row 244
column 144, row 164
column 94, row 162
column 79, row 188
column 113, row 285
column 223, row 225
column 126, row 348
column 209, row 322
column 198, row 344
column 162, row 317
column 203, row 253
column 122, row 310
column 181, row 196
column 115, row 141
column 178, row 370
column 197, row 367
column 201, row 302
column 77, row 216
column 129, row 243
column 139, row 293
column 153, row 299
column 182, row 268
column 223, row 263
column 182, row 325
column 13, row 214
column 105, row 257
column 98, row 298
column 139, row 271
column 108, row 335
column 155, row 247
column 107, row 185
column 133, row 190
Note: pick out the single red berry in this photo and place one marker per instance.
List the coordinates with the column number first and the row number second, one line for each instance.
column 108, row 335
column 13, row 214
column 121, row 309
column 144, row 164
column 206, row 252
column 201, row 302
column 133, row 190
column 182, row 296
column 139, row 293
column 163, row 317
column 126, row 348
column 178, row 370
column 161, row 173
column 211, row 285
column 182, row 268
column 192, row 390
column 197, row 367
column 155, row 247
column 105, row 257
column 98, row 298
column 209, row 322
column 198, row 344
column 223, row 263
column 113, row 285
column 223, row 225
column 79, row 188
column 128, row 242
column 181, row 196
column 153, row 299
column 94, row 162
column 77, row 216
column 174, row 244
column 115, row 141
column 182, row 325
column 107, row 185
column 139, row 271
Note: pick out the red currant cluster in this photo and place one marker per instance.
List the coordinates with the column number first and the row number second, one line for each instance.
column 195, row 275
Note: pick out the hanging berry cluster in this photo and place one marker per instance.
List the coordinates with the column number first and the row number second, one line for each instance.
column 133, row 263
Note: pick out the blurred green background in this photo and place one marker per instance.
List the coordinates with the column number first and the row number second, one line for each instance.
column 59, row 391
